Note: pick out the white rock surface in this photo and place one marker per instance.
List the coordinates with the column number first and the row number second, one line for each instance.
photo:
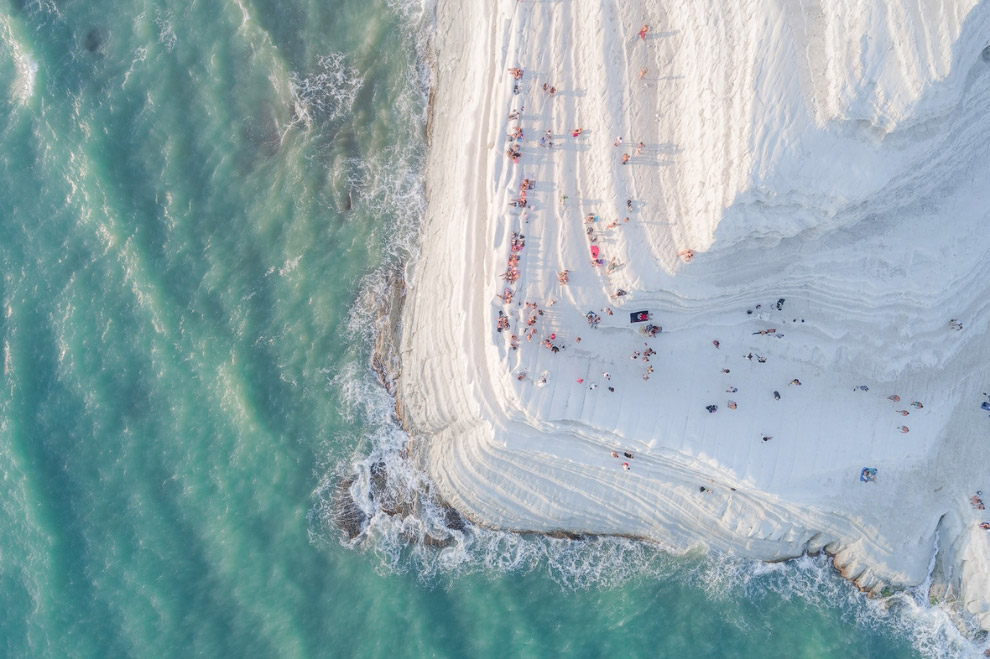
column 833, row 154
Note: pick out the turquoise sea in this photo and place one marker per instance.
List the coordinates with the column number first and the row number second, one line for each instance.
column 202, row 205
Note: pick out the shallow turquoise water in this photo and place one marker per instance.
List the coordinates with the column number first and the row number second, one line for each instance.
column 201, row 206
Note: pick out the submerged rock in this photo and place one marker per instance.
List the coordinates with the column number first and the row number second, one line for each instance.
column 346, row 514
column 452, row 518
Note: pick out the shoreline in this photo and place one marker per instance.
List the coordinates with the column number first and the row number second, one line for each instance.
column 529, row 463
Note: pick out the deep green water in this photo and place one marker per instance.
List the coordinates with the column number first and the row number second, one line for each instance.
column 200, row 205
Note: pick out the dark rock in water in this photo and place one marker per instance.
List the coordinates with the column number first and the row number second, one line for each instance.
column 393, row 505
column 397, row 507
column 379, row 476
column 428, row 540
column 441, row 540
column 438, row 543
column 385, row 357
column 93, row 41
column 389, row 499
column 567, row 535
column 341, row 186
column 349, row 518
column 452, row 519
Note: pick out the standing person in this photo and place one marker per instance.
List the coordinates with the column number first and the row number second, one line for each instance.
column 643, row 30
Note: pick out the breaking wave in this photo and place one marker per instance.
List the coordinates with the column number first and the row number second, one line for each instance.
column 328, row 92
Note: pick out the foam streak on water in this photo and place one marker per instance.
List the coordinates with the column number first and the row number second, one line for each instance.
column 25, row 66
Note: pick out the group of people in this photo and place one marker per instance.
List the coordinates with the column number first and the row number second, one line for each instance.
column 547, row 139
column 625, row 156
column 511, row 276
column 535, row 313
column 772, row 331
column 645, row 355
column 514, row 153
column 625, row 454
column 515, row 136
column 524, row 187
column 551, row 342
column 592, row 220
